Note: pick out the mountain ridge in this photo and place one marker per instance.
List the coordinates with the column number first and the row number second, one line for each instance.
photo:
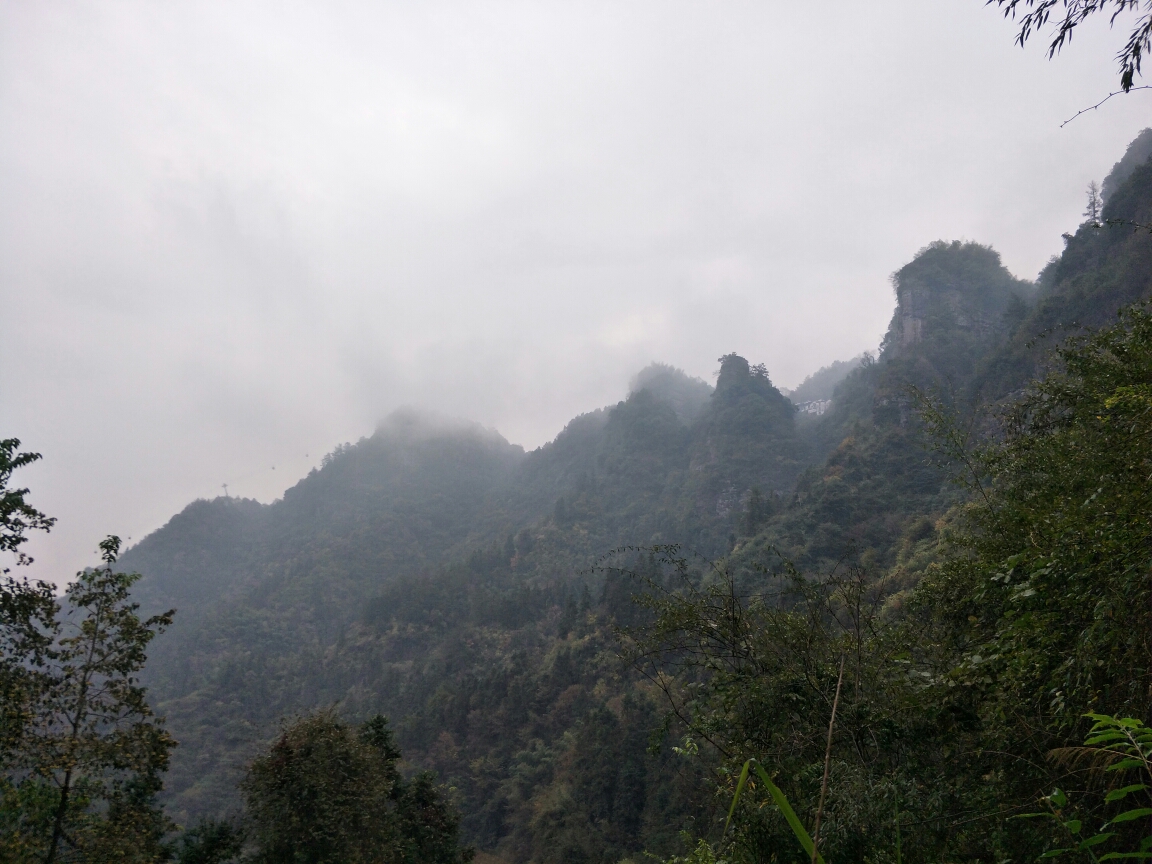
column 449, row 579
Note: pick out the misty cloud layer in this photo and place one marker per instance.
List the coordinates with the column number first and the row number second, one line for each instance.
column 233, row 235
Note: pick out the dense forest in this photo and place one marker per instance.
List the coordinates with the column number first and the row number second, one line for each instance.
column 903, row 608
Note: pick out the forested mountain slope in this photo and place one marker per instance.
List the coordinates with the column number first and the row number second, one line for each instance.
column 410, row 496
column 438, row 574
column 876, row 493
column 1103, row 268
column 267, row 595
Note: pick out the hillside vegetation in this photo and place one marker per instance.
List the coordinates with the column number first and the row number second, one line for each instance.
column 438, row 575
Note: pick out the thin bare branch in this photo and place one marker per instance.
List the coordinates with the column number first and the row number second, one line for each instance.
column 1102, row 101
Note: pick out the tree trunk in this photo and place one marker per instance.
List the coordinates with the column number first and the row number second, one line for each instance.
column 58, row 823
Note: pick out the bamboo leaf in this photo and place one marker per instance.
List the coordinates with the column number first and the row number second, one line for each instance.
column 1125, row 764
column 1097, row 840
column 1104, row 738
column 1129, row 815
column 1117, row 794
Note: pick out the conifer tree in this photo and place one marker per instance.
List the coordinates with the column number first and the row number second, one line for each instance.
column 1092, row 211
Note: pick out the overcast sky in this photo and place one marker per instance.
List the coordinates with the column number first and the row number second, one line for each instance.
column 236, row 234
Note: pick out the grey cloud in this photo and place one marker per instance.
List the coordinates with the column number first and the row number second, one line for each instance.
column 235, row 234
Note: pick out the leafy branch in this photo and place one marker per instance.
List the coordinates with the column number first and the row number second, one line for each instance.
column 1035, row 14
column 1125, row 744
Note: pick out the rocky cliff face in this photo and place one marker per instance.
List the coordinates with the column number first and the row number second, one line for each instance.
column 952, row 290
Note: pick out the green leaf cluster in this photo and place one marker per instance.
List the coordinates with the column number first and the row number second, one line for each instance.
column 328, row 792
column 82, row 752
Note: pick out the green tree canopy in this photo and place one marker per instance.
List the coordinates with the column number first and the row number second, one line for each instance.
column 82, row 765
column 329, row 792
column 957, row 692
column 17, row 516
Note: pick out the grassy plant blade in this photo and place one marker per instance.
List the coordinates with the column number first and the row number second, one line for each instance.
column 740, row 784
column 789, row 813
column 780, row 800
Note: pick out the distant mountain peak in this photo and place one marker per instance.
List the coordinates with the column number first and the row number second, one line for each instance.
column 1137, row 154
column 735, row 371
column 957, row 286
column 688, row 396
column 411, row 424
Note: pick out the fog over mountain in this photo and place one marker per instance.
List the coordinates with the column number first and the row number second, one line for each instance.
column 233, row 235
